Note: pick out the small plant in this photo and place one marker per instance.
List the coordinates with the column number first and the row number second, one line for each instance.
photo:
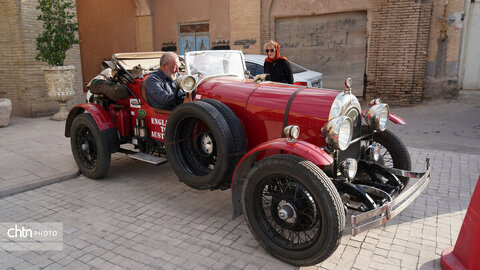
column 59, row 30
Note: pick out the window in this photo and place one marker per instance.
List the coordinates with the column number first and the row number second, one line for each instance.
column 254, row 69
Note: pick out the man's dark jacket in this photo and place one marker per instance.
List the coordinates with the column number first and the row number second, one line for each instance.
column 160, row 91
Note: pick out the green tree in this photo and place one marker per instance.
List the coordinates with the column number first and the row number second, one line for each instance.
column 59, row 28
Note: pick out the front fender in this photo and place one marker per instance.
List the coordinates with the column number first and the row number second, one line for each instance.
column 104, row 122
column 396, row 119
column 392, row 117
column 303, row 149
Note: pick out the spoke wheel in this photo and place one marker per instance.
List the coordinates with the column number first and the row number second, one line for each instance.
column 88, row 148
column 293, row 209
column 292, row 218
column 393, row 152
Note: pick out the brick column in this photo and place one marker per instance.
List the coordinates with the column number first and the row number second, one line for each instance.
column 398, row 51
column 245, row 26
column 143, row 26
column 265, row 22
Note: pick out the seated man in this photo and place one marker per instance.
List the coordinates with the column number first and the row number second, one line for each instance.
column 160, row 85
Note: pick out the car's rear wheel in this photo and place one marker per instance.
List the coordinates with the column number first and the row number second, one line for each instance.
column 89, row 151
column 199, row 145
column 293, row 209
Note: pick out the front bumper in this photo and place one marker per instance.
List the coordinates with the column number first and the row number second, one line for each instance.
column 381, row 215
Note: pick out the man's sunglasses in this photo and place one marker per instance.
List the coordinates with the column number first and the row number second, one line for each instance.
column 271, row 50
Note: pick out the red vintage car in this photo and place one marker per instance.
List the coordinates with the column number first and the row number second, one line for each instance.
column 296, row 158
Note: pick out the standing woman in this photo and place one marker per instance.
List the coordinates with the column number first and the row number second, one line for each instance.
column 277, row 67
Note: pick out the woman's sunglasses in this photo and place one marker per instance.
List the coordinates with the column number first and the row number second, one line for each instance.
column 271, row 50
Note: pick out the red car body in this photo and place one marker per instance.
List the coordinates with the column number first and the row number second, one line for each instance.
column 264, row 110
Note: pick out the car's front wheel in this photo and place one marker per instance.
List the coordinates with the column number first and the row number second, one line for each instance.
column 293, row 209
column 89, row 151
column 393, row 152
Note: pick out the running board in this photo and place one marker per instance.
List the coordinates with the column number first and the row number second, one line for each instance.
column 149, row 158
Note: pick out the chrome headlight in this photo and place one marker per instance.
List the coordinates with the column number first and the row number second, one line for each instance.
column 342, row 103
column 187, row 83
column 377, row 116
column 291, row 132
column 338, row 132
column 349, row 168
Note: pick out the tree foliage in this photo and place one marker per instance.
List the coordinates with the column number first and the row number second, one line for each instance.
column 59, row 28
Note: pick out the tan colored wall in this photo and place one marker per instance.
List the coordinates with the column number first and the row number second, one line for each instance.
column 245, row 26
column 168, row 14
column 144, row 25
column 334, row 71
column 105, row 27
column 22, row 78
column 272, row 9
column 441, row 76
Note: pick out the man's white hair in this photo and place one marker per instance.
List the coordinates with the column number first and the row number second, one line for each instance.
column 167, row 58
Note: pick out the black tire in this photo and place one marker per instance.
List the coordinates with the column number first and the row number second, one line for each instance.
column 394, row 153
column 315, row 207
column 235, row 127
column 88, row 148
column 198, row 142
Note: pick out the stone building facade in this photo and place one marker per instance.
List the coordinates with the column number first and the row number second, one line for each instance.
column 403, row 51
column 21, row 76
column 393, row 49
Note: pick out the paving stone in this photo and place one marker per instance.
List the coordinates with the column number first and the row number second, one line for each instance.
column 86, row 258
column 133, row 222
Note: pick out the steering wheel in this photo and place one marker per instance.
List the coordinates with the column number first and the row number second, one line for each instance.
column 125, row 74
column 199, row 73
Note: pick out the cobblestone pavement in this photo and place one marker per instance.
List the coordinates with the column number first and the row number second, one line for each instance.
column 141, row 217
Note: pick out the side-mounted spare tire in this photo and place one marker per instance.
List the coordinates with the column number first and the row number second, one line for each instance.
column 199, row 145
column 237, row 132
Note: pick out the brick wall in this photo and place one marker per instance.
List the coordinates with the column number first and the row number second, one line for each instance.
column 245, row 26
column 10, row 54
column 22, row 78
column 398, row 51
column 265, row 20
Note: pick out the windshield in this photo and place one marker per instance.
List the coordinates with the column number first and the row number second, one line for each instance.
column 210, row 63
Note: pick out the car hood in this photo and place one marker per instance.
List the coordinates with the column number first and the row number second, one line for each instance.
column 262, row 106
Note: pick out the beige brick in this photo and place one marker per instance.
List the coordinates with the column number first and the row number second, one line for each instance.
column 23, row 82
